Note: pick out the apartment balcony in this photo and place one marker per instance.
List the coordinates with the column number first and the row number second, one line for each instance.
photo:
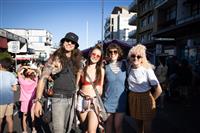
column 133, row 20
column 107, row 27
column 163, row 3
column 132, row 34
column 146, row 28
column 133, row 6
column 146, row 11
column 189, row 2
column 188, row 19
column 107, row 34
column 160, row 3
column 185, row 27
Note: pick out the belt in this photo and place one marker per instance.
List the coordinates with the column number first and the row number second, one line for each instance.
column 62, row 96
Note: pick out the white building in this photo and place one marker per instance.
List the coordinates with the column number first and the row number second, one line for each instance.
column 117, row 27
column 39, row 40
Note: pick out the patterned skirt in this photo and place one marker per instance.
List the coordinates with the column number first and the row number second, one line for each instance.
column 142, row 106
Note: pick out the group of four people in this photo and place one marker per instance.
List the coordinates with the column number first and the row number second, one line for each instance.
column 74, row 83
column 109, row 79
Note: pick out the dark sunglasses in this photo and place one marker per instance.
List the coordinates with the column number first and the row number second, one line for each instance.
column 113, row 51
column 136, row 56
column 72, row 42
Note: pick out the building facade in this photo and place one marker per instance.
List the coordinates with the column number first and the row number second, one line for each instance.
column 117, row 27
column 169, row 27
column 39, row 41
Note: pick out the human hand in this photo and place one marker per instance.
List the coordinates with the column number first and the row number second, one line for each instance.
column 38, row 109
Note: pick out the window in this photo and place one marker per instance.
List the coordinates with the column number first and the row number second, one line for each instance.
column 171, row 13
column 149, row 36
column 112, row 21
column 40, row 39
column 150, row 19
column 195, row 8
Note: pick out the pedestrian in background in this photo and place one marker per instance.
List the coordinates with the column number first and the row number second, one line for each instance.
column 115, row 96
column 141, row 79
column 63, row 65
column 161, row 73
column 8, row 84
column 184, row 78
column 28, row 79
column 87, row 104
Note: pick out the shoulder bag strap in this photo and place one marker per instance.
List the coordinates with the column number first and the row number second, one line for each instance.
column 96, row 91
column 73, row 116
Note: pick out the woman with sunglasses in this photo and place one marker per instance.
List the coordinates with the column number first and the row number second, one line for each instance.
column 87, row 101
column 141, row 79
column 115, row 95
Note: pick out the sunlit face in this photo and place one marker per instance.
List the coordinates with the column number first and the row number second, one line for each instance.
column 113, row 54
column 136, row 59
column 95, row 55
column 69, row 45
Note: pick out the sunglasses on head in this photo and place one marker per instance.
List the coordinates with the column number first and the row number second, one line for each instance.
column 113, row 51
column 136, row 56
column 95, row 55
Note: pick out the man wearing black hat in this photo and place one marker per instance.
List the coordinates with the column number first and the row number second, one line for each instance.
column 62, row 67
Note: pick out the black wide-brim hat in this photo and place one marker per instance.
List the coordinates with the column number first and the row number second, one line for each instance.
column 72, row 37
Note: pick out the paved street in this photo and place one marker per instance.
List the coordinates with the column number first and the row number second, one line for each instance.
column 176, row 117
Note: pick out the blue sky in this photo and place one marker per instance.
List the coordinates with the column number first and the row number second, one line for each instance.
column 59, row 16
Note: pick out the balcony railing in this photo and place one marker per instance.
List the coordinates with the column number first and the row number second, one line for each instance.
column 132, row 20
column 159, row 3
column 133, row 6
column 187, row 19
column 132, row 34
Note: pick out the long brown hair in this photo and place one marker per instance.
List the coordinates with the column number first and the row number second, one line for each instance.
column 76, row 57
column 114, row 46
column 98, row 65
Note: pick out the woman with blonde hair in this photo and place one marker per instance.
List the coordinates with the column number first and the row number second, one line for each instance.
column 141, row 79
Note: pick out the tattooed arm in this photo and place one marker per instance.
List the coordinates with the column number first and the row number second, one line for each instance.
column 40, row 88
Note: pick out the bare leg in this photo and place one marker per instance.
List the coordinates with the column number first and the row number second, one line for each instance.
column 140, row 126
column 1, row 120
column 118, row 122
column 147, row 126
column 33, row 119
column 109, row 123
column 92, row 122
column 24, row 123
column 9, row 120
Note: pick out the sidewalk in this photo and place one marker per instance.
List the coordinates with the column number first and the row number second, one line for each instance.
column 176, row 117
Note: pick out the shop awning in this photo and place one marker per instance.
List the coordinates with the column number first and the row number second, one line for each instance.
column 3, row 42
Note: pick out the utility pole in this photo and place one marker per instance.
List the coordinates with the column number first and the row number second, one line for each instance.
column 102, row 35
column 87, row 34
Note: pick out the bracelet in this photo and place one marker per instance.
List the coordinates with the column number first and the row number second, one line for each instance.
column 40, row 100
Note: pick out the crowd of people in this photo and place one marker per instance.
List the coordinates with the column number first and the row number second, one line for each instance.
column 124, row 84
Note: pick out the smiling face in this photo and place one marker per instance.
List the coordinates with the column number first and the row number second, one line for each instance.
column 69, row 45
column 113, row 54
column 136, row 59
column 95, row 55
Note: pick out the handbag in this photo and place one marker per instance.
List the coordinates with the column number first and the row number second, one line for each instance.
column 50, row 91
column 103, row 115
column 47, row 116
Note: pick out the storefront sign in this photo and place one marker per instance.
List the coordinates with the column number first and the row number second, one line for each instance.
column 14, row 46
